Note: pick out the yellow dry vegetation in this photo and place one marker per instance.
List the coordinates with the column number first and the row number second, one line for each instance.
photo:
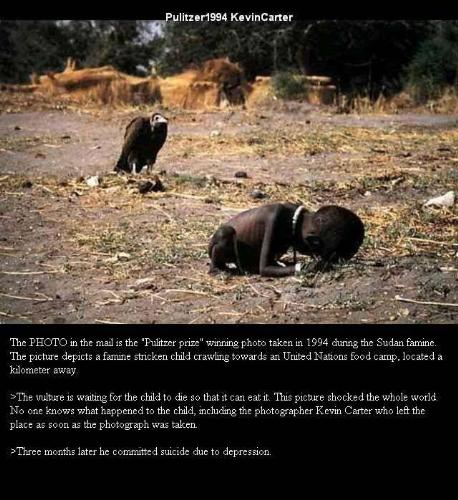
column 216, row 83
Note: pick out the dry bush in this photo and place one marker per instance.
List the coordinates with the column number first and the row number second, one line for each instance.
column 400, row 101
column 174, row 89
column 448, row 101
column 221, row 71
column 21, row 89
column 260, row 93
column 320, row 95
column 363, row 104
column 202, row 95
column 103, row 85
column 216, row 84
column 182, row 91
column 70, row 81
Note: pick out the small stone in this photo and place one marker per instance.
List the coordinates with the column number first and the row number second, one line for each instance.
column 144, row 284
column 215, row 133
column 123, row 256
column 154, row 186
column 27, row 184
column 17, row 127
column 254, row 140
column 145, row 187
column 92, row 181
column 241, row 174
column 257, row 194
column 446, row 200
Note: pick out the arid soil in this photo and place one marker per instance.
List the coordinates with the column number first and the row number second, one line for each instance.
column 74, row 253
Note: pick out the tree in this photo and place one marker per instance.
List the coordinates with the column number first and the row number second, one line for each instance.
column 250, row 44
column 435, row 64
column 360, row 56
column 43, row 46
column 117, row 43
column 29, row 46
column 366, row 55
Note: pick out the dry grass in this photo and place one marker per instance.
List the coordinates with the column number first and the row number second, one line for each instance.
column 102, row 240
column 402, row 229
column 157, row 237
column 103, row 85
column 199, row 88
column 446, row 103
column 321, row 140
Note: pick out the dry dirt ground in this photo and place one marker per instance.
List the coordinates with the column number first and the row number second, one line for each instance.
column 72, row 253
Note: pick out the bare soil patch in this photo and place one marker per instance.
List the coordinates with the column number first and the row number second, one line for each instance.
column 71, row 253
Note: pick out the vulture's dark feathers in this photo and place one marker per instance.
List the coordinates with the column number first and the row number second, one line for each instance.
column 143, row 139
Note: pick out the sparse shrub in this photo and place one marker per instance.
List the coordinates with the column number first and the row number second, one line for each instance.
column 288, row 85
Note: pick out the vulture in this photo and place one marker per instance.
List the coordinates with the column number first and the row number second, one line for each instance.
column 143, row 139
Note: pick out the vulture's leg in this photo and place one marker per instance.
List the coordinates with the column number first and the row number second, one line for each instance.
column 134, row 163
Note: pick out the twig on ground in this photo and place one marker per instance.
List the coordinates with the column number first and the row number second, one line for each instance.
column 178, row 290
column 425, row 303
column 107, row 322
column 27, row 273
column 7, row 315
column 163, row 212
column 435, row 242
column 257, row 291
column 19, row 297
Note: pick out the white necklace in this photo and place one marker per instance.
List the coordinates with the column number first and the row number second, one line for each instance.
column 297, row 212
